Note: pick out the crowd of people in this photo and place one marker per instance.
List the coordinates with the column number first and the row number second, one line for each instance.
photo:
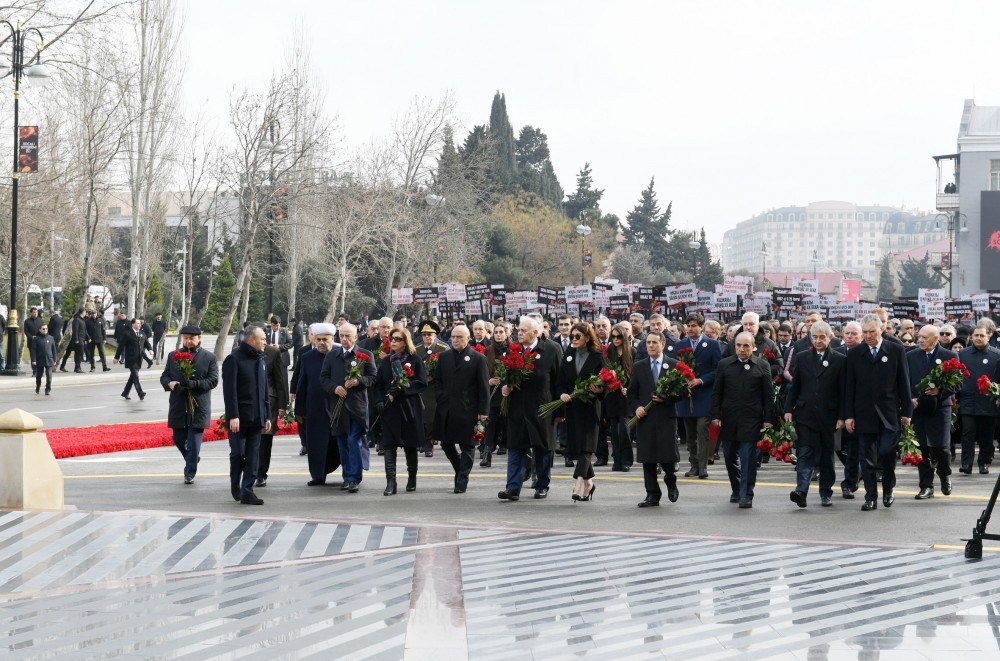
column 598, row 392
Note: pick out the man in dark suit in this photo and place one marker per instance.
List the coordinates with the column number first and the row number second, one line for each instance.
column 850, row 450
column 95, row 340
column 813, row 403
column 278, row 337
column 121, row 327
column 248, row 413
column 694, row 410
column 352, row 424
column 931, row 413
column 656, row 431
column 134, row 345
column 31, row 326
column 463, row 397
column 312, row 407
column 43, row 357
column 298, row 340
column 979, row 414
column 876, row 402
column 56, row 327
column 429, row 346
column 527, row 432
column 148, row 332
column 742, row 403
column 765, row 347
column 480, row 334
column 77, row 341
column 159, row 330
column 188, row 427
column 805, row 343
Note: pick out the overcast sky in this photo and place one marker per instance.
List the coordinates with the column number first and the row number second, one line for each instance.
column 734, row 107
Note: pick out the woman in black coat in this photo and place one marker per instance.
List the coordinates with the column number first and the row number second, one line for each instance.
column 494, row 439
column 401, row 412
column 583, row 359
column 620, row 356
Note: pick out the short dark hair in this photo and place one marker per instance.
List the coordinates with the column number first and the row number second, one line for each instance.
column 275, row 319
column 785, row 327
column 134, row 319
column 696, row 318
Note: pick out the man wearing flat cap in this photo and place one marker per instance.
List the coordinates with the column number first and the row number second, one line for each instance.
column 431, row 346
column 189, row 425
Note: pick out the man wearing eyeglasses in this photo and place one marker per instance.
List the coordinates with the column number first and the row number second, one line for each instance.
column 428, row 396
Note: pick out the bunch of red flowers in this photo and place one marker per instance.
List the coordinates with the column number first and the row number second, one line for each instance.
column 513, row 368
column 988, row 388
column 944, row 376
column 779, row 441
column 185, row 363
column 582, row 392
column 670, row 386
column 479, row 348
column 610, row 379
column 767, row 353
column 431, row 365
column 909, row 448
column 479, row 431
column 382, row 350
column 356, row 369
column 686, row 356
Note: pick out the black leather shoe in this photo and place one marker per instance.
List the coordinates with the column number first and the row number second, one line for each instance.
column 142, row 396
column 260, row 483
column 925, row 493
column 127, row 398
column 798, row 498
column 507, row 495
column 673, row 494
column 826, row 501
column 746, row 504
column 343, row 487
column 63, row 369
column 869, row 505
column 649, row 502
column 693, row 472
column 967, row 471
column 846, row 492
column 38, row 389
column 236, row 493
column 251, row 500
column 315, row 483
column 459, row 490
column 352, row 487
column 106, row 369
column 601, row 462
column 734, row 497
column 626, row 469
column 984, row 470
column 188, row 480
column 570, row 463
column 541, row 493
column 946, row 486
column 888, row 499
column 703, row 475
column 78, row 371
column 302, row 452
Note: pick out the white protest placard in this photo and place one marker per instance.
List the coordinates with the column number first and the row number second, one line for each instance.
column 602, row 299
column 401, row 295
column 579, row 294
column 932, row 309
column 724, row 303
column 758, row 305
column 981, row 302
column 864, row 308
column 811, row 302
column 930, row 295
column 455, row 291
column 736, row 284
column 843, row 311
column 682, row 294
column 830, row 299
column 704, row 301
column 805, row 287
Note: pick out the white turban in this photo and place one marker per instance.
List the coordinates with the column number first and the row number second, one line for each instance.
column 323, row 329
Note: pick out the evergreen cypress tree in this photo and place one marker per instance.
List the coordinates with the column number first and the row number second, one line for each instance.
column 916, row 275
column 586, row 197
column 647, row 227
column 449, row 168
column 886, row 285
column 222, row 291
column 710, row 273
column 505, row 167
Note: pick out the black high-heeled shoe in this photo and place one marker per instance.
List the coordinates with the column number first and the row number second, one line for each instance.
column 589, row 496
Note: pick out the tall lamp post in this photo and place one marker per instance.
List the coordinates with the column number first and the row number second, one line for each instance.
column 763, row 259
column 38, row 73
column 584, row 232
column 694, row 245
column 815, row 261
column 52, row 265
column 952, row 222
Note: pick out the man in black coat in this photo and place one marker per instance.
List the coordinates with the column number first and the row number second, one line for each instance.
column 189, row 425
column 525, row 430
column 805, row 344
column 850, row 449
column 979, row 414
column 134, row 345
column 656, row 431
column 764, row 346
column 121, row 327
column 280, row 338
column 159, row 330
column 148, row 332
column 31, row 326
column 931, row 412
column 876, row 402
column 352, row 424
column 298, row 340
column 463, row 397
column 56, row 326
column 43, row 357
column 742, row 403
column 813, row 403
column 77, row 341
column 312, row 407
column 95, row 340
column 248, row 412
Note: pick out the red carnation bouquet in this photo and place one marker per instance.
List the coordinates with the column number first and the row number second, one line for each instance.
column 356, row 370
column 944, row 376
column 402, row 373
column 686, row 357
column 431, row 366
column 479, row 348
column 582, row 392
column 767, row 353
column 988, row 388
column 513, row 369
column 779, row 441
column 382, row 350
column 185, row 363
column 909, row 448
column 672, row 385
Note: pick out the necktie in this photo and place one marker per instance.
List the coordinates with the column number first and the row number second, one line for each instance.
column 929, row 357
column 656, row 370
column 874, row 351
column 819, row 359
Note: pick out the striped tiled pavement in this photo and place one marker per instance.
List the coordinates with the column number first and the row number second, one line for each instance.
column 135, row 585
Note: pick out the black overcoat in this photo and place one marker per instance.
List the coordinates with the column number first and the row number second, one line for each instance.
column 932, row 414
column 403, row 417
column 742, row 398
column 877, row 390
column 655, row 434
column 462, row 394
column 203, row 381
column 524, row 428
column 336, row 365
column 814, row 396
column 134, row 346
column 979, row 363
column 582, row 419
column 244, row 388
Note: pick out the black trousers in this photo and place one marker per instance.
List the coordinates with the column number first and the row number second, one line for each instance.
column 76, row 348
column 938, row 459
column 852, row 460
column 878, row 451
column 266, row 441
column 584, row 467
column 47, row 370
column 461, row 456
column 244, row 453
column 652, row 485
column 133, row 380
column 100, row 349
column 977, row 430
column 621, row 444
column 602, row 441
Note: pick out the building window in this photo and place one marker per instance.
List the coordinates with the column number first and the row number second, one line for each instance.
column 114, row 211
column 779, row 218
column 994, row 174
column 770, row 217
column 871, row 216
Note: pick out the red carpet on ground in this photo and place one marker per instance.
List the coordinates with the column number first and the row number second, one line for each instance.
column 80, row 441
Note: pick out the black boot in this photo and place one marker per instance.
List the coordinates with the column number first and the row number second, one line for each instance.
column 390, row 471
column 487, row 454
column 411, row 471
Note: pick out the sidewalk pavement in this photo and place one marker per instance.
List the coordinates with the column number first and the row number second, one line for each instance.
column 26, row 381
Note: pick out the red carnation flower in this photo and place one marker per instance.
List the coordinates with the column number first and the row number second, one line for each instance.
column 408, row 370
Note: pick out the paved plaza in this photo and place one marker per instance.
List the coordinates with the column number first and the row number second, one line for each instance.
column 148, row 568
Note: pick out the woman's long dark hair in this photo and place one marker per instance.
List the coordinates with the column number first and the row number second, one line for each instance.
column 585, row 329
column 627, row 355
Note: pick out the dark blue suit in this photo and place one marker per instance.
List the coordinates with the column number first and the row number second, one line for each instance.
column 694, row 411
column 931, row 416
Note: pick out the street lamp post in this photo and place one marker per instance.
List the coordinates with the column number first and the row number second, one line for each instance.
column 52, row 266
column 763, row 257
column 694, row 245
column 584, row 232
column 815, row 261
column 952, row 222
column 37, row 72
